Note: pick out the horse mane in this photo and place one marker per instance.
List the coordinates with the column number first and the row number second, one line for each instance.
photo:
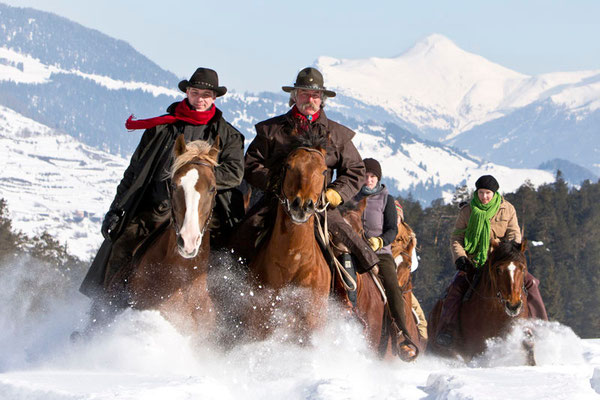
column 506, row 251
column 308, row 139
column 198, row 149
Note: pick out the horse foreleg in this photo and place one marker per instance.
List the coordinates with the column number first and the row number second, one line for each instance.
column 528, row 346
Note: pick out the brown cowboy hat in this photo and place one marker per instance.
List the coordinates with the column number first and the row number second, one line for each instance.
column 204, row 78
column 309, row 79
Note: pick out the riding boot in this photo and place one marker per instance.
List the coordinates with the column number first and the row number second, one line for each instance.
column 535, row 304
column 450, row 307
column 387, row 272
column 365, row 257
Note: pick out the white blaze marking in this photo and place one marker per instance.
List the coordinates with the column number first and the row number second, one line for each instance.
column 190, row 230
column 511, row 269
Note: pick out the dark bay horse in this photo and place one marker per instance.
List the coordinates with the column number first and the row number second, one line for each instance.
column 369, row 299
column 171, row 276
column 291, row 256
column 498, row 300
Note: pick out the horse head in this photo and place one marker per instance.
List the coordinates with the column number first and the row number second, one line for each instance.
column 402, row 250
column 507, row 267
column 193, row 189
column 304, row 178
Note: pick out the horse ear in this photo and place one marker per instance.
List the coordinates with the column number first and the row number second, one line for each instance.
column 180, row 146
column 494, row 243
column 362, row 204
column 214, row 150
column 523, row 245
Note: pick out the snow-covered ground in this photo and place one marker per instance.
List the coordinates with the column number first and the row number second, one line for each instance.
column 141, row 356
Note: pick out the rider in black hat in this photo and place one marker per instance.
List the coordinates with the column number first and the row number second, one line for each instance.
column 142, row 205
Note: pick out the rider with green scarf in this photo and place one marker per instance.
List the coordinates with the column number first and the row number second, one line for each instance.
column 488, row 216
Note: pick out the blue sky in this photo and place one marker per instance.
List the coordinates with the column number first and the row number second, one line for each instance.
column 261, row 45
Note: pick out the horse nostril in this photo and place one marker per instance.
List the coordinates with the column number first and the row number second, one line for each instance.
column 296, row 203
column 310, row 205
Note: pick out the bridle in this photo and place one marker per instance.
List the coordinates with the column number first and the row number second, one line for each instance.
column 284, row 201
column 170, row 189
column 498, row 296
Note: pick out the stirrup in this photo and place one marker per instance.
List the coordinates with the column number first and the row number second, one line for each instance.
column 348, row 264
column 406, row 351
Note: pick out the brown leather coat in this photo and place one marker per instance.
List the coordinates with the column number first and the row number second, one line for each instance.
column 272, row 144
column 504, row 225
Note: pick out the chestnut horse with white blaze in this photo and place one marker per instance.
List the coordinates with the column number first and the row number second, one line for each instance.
column 498, row 300
column 171, row 276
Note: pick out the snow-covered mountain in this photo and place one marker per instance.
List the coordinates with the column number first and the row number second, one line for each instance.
column 77, row 86
column 55, row 183
column 444, row 93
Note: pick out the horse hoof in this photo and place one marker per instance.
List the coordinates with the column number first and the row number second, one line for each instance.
column 407, row 352
column 444, row 340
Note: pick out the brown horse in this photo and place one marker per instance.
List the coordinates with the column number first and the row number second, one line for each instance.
column 402, row 249
column 171, row 276
column 291, row 256
column 498, row 300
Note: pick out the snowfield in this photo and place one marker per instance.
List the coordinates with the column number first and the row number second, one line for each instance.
column 141, row 356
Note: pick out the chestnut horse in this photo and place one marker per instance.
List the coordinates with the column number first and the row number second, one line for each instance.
column 171, row 276
column 402, row 249
column 291, row 257
column 498, row 300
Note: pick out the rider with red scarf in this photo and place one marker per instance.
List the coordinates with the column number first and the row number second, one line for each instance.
column 142, row 207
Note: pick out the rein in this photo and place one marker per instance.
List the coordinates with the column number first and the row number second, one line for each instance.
column 498, row 294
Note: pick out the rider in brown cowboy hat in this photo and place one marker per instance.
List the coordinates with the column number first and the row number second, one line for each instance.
column 265, row 155
column 141, row 205
column 274, row 138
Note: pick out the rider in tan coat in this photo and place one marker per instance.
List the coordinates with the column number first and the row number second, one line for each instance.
column 502, row 225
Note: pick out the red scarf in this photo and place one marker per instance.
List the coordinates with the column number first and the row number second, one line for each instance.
column 182, row 113
column 297, row 114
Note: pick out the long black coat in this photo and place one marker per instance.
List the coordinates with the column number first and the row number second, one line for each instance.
column 144, row 183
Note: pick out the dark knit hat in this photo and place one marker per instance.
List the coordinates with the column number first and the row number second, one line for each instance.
column 309, row 79
column 372, row 166
column 487, row 182
column 204, row 78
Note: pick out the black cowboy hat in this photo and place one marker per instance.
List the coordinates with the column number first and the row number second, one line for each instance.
column 309, row 79
column 204, row 78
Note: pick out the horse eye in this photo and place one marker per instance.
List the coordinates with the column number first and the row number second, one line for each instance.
column 325, row 173
column 213, row 189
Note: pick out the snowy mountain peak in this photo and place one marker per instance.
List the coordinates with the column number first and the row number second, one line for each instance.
column 433, row 43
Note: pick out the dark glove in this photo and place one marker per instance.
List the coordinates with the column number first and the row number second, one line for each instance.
column 110, row 223
column 464, row 264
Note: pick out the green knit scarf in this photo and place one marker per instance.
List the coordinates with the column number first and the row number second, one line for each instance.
column 477, row 234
